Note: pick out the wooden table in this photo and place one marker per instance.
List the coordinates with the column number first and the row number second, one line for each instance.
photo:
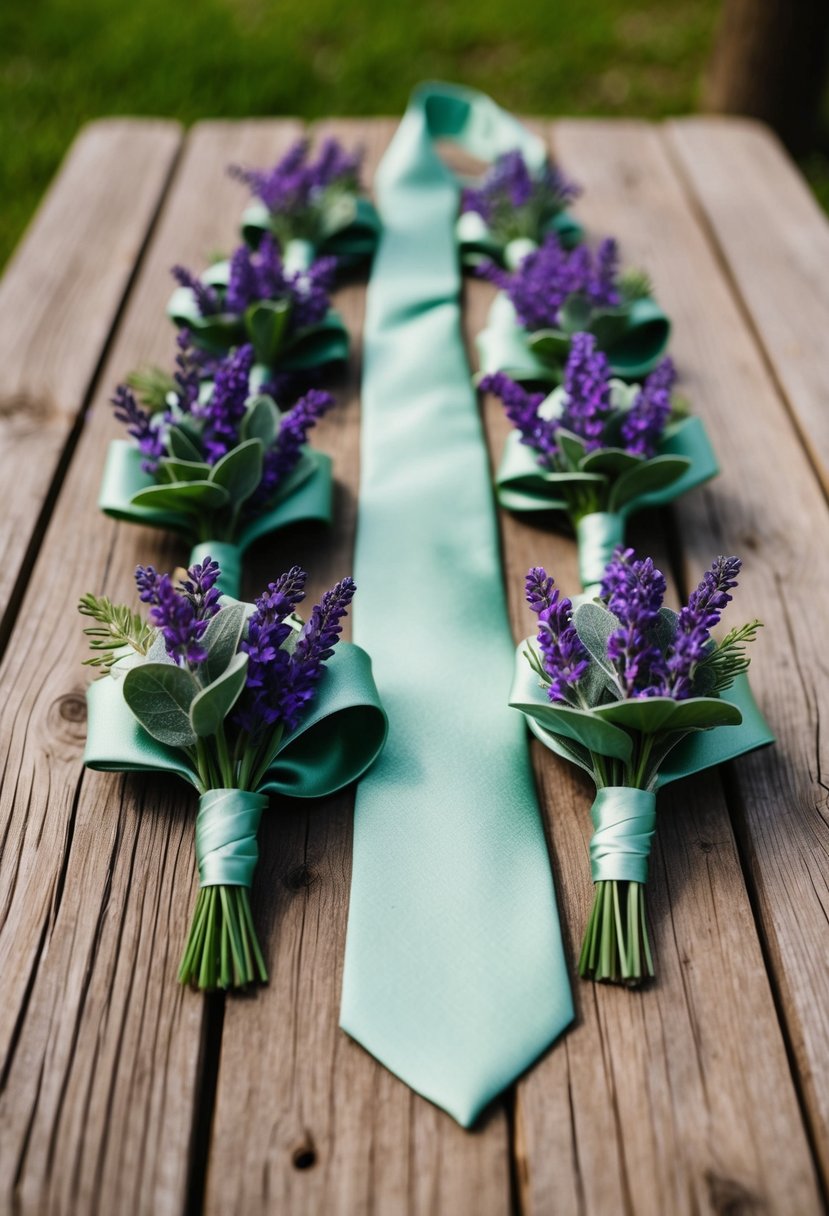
column 122, row 1092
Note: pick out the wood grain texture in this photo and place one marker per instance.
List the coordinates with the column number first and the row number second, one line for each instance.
column 778, row 523
column 336, row 1132
column 100, row 1046
column 776, row 249
column 59, row 299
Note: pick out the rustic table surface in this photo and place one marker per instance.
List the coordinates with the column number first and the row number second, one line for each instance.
column 122, row 1092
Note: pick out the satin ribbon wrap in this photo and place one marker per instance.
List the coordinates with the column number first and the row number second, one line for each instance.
column 624, row 821
column 338, row 739
column 226, row 829
column 598, row 535
column 505, row 346
column 479, row 244
column 352, row 240
column 305, row 496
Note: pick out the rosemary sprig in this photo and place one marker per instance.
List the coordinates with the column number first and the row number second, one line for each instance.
column 117, row 626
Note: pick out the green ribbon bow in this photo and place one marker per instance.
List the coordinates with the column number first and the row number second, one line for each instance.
column 633, row 337
column 684, row 459
column 265, row 324
column 338, row 739
column 349, row 231
column 478, row 243
column 128, row 493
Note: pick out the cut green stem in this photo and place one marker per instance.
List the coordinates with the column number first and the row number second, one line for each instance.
column 222, row 949
column 616, row 948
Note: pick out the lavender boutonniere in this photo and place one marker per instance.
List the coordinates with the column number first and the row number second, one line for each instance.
column 597, row 450
column 312, row 206
column 513, row 209
column 285, row 315
column 217, row 461
column 552, row 295
column 636, row 695
column 242, row 701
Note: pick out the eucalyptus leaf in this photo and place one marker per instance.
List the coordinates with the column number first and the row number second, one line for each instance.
column 191, row 497
column 574, row 314
column 550, row 345
column 261, row 420
column 582, row 725
column 703, row 713
column 181, row 445
column 654, row 474
column 159, row 696
column 573, row 448
column 212, row 705
column 239, row 471
column 594, row 625
column 221, row 638
column 266, row 323
column 184, row 470
column 647, row 715
column 611, row 461
column 608, row 325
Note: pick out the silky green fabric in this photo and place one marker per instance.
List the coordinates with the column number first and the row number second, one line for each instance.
column 339, row 737
column 351, row 236
column 624, row 821
column 227, row 824
column 598, row 535
column 455, row 975
column 479, row 244
column 305, row 496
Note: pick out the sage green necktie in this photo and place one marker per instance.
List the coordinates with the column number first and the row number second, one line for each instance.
column 454, row 969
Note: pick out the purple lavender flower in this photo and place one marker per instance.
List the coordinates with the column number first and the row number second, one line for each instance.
column 309, row 293
column 509, row 186
column 696, row 620
column 190, row 367
column 260, row 275
column 547, row 276
column 521, row 408
column 281, row 684
column 226, row 407
column 645, row 421
column 587, row 405
column 181, row 612
column 564, row 658
column 282, row 458
column 295, row 182
column 207, row 299
column 146, row 430
column 634, row 591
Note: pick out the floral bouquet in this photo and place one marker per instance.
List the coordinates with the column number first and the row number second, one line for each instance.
column 242, row 701
column 553, row 294
column 252, row 297
column 597, row 450
column 216, row 461
column 311, row 207
column 637, row 696
column 513, row 210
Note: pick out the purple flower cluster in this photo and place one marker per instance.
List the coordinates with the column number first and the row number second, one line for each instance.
column 296, row 181
column 564, row 658
column 225, row 409
column 207, row 298
column 281, row 683
column 181, row 612
column 645, row 421
column 510, row 185
column 587, row 405
column 144, row 429
column 696, row 620
column 521, row 408
column 549, row 275
column 282, row 458
column 260, row 275
column 634, row 591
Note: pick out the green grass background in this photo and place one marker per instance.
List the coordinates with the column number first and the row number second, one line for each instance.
column 63, row 62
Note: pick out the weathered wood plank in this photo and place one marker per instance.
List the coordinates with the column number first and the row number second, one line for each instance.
column 59, row 300
column 334, row 1131
column 681, row 1097
column 773, row 237
column 100, row 1047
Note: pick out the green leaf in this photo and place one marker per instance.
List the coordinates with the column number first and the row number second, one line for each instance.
column 182, row 446
column 703, row 713
column 184, row 470
column 594, row 625
column 550, row 345
column 644, row 714
column 608, row 325
column 191, row 497
column 664, row 630
column 221, row 639
column 582, row 725
column 574, row 314
column 610, row 461
column 212, row 705
column 240, row 470
column 573, row 448
column 653, row 474
column 261, row 420
column 159, row 696
column 266, row 323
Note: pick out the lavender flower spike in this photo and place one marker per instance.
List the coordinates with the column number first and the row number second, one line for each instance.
column 146, row 432
column 696, row 620
column 645, row 421
column 282, row 458
column 564, row 658
column 587, row 391
column 181, row 613
column 207, row 301
column 634, row 591
column 521, row 408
